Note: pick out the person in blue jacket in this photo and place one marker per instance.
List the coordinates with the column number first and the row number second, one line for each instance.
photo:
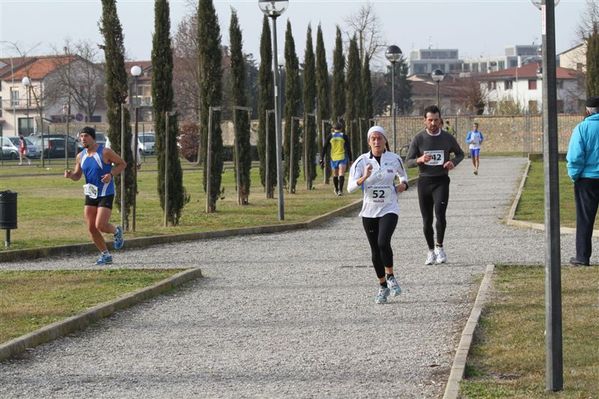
column 475, row 138
column 583, row 169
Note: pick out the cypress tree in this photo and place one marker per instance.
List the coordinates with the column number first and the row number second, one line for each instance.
column 323, row 109
column 116, row 94
column 338, row 89
column 292, row 108
column 367, row 109
column 592, row 74
column 353, row 94
column 265, row 104
column 242, row 122
column 162, row 101
column 403, row 93
column 210, row 83
column 310, row 147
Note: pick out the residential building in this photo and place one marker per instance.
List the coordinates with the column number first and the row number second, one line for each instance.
column 514, row 56
column 522, row 87
column 141, row 90
column 574, row 58
column 424, row 61
column 27, row 109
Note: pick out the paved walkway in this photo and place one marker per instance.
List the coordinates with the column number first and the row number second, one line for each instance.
column 292, row 314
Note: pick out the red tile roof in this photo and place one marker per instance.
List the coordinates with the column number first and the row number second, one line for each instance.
column 37, row 68
column 528, row 71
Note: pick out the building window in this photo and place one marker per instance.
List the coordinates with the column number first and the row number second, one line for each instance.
column 14, row 98
column 532, row 84
column 560, row 106
column 491, row 85
column 501, row 65
column 25, row 126
column 474, row 68
column 560, row 84
column 508, row 84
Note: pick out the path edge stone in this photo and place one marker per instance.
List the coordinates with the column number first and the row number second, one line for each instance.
column 82, row 320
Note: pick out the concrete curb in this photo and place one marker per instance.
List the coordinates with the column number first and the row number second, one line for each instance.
column 142, row 242
column 456, row 375
column 510, row 221
column 89, row 316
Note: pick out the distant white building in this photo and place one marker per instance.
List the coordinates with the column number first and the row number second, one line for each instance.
column 424, row 61
column 574, row 58
column 514, row 56
column 523, row 87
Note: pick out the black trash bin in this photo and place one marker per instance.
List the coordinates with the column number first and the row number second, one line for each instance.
column 8, row 213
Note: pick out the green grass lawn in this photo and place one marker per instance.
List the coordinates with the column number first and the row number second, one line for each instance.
column 531, row 207
column 50, row 207
column 32, row 299
column 507, row 359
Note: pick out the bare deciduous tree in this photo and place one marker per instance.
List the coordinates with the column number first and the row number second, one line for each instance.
column 590, row 20
column 366, row 26
column 77, row 78
column 186, row 68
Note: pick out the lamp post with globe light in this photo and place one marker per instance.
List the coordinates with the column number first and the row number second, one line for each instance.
column 27, row 83
column 136, row 73
column 273, row 9
column 393, row 54
column 437, row 75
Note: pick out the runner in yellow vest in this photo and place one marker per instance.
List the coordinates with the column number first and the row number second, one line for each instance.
column 340, row 154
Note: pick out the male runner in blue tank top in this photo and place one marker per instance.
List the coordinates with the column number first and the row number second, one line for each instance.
column 99, row 165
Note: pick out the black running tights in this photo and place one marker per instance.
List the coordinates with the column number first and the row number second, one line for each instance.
column 433, row 194
column 379, row 232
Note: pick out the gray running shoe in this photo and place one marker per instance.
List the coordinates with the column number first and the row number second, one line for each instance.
column 441, row 256
column 393, row 286
column 119, row 241
column 104, row 259
column 430, row 258
column 381, row 296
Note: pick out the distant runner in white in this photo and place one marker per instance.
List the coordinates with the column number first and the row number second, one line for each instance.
column 381, row 176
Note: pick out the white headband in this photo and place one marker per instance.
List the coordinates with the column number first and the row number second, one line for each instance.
column 378, row 129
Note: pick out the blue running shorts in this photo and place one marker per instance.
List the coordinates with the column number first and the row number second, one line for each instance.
column 475, row 152
column 336, row 164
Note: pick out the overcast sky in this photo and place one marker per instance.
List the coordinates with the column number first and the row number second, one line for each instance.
column 477, row 28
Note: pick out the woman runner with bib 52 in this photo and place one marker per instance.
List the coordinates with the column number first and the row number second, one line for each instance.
column 375, row 172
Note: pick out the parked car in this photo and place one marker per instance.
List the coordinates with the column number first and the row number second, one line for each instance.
column 147, row 140
column 33, row 151
column 101, row 138
column 54, row 145
column 139, row 151
column 9, row 150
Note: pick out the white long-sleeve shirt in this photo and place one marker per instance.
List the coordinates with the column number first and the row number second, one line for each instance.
column 379, row 195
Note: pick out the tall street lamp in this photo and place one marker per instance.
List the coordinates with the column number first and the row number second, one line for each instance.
column 273, row 9
column 393, row 54
column 553, row 307
column 27, row 83
column 437, row 75
column 135, row 72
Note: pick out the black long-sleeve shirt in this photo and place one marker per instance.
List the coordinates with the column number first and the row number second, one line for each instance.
column 440, row 147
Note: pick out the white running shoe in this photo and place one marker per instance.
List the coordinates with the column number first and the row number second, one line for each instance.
column 381, row 296
column 393, row 286
column 431, row 258
column 441, row 256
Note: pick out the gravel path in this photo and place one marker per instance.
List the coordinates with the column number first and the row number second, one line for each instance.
column 292, row 314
